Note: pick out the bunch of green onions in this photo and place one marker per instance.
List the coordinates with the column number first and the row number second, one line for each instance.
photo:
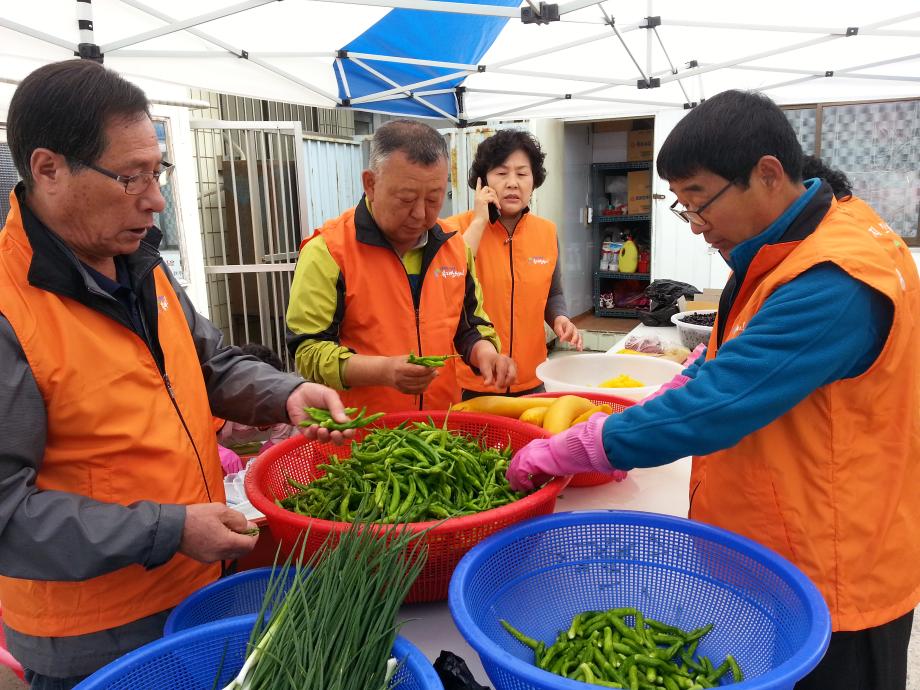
column 334, row 628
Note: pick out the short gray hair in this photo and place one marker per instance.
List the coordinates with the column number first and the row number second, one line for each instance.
column 421, row 144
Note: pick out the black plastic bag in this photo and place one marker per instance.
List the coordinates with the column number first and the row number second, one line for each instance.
column 663, row 295
column 454, row 674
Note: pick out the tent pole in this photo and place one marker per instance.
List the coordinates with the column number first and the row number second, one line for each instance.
column 648, row 40
column 40, row 35
column 673, row 69
column 341, row 70
column 382, row 95
column 565, row 77
column 86, row 48
column 611, row 22
column 235, row 51
column 749, row 58
column 411, row 61
column 184, row 24
column 387, row 80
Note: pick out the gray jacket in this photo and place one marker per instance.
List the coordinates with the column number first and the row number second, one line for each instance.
column 55, row 535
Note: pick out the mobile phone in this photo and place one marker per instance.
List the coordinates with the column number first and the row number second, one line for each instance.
column 494, row 213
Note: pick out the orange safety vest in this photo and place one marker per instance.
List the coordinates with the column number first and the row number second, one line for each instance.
column 380, row 318
column 114, row 435
column 834, row 484
column 515, row 273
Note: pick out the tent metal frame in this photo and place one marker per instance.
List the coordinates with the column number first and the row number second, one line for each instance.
column 391, row 90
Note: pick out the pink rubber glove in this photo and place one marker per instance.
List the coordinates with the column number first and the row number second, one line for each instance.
column 695, row 355
column 579, row 449
column 229, row 460
column 676, row 382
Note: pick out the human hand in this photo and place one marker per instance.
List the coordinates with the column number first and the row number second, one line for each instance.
column 214, row 532
column 484, row 196
column 566, row 331
column 412, row 379
column 496, row 369
column 317, row 395
column 575, row 450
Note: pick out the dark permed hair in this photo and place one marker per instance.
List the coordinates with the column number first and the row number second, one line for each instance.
column 495, row 150
column 266, row 354
column 839, row 182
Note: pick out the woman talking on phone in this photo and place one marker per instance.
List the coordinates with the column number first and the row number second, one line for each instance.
column 517, row 257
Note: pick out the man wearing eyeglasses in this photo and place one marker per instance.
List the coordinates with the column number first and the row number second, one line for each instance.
column 112, row 507
column 804, row 416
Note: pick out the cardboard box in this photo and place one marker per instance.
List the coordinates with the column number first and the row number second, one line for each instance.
column 639, row 145
column 639, row 192
column 709, row 299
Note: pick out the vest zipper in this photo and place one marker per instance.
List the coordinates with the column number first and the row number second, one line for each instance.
column 418, row 329
column 161, row 368
column 172, row 397
column 511, row 267
column 692, row 495
column 418, row 336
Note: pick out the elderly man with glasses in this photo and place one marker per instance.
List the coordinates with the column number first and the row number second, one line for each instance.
column 804, row 416
column 111, row 492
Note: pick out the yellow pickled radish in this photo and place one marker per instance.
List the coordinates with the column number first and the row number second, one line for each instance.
column 622, row 381
column 560, row 414
column 534, row 415
column 606, row 409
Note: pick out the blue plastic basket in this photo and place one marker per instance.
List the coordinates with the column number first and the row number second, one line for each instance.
column 190, row 659
column 238, row 595
column 538, row 574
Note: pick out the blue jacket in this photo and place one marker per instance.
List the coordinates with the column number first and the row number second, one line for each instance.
column 819, row 328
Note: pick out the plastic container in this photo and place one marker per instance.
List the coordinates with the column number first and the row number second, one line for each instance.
column 539, row 574
column 618, row 404
column 447, row 540
column 238, row 595
column 583, row 373
column 691, row 334
column 190, row 660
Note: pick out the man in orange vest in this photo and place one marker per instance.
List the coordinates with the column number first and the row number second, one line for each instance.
column 111, row 494
column 804, row 418
column 384, row 280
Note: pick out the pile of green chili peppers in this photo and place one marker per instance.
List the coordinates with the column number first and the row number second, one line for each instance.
column 322, row 418
column 411, row 473
column 431, row 361
column 602, row 649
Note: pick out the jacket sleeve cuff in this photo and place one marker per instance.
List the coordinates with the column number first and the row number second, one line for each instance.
column 168, row 535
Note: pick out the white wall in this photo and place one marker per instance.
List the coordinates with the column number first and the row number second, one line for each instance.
column 677, row 253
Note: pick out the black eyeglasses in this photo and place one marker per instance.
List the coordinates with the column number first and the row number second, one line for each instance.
column 694, row 216
column 136, row 184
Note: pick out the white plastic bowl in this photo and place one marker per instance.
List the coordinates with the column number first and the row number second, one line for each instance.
column 585, row 371
column 692, row 334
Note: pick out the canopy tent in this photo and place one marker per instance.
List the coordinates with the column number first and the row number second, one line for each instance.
column 600, row 59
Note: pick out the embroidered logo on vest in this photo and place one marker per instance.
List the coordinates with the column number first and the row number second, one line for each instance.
column 163, row 302
column 448, row 272
column 538, row 260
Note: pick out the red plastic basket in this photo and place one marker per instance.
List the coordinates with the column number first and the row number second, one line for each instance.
column 448, row 541
column 617, row 403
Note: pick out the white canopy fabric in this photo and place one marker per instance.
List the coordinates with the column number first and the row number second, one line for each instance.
column 786, row 50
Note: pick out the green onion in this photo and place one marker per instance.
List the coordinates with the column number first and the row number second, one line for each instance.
column 334, row 628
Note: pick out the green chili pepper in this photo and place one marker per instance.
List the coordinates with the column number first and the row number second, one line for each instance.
column 431, row 361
